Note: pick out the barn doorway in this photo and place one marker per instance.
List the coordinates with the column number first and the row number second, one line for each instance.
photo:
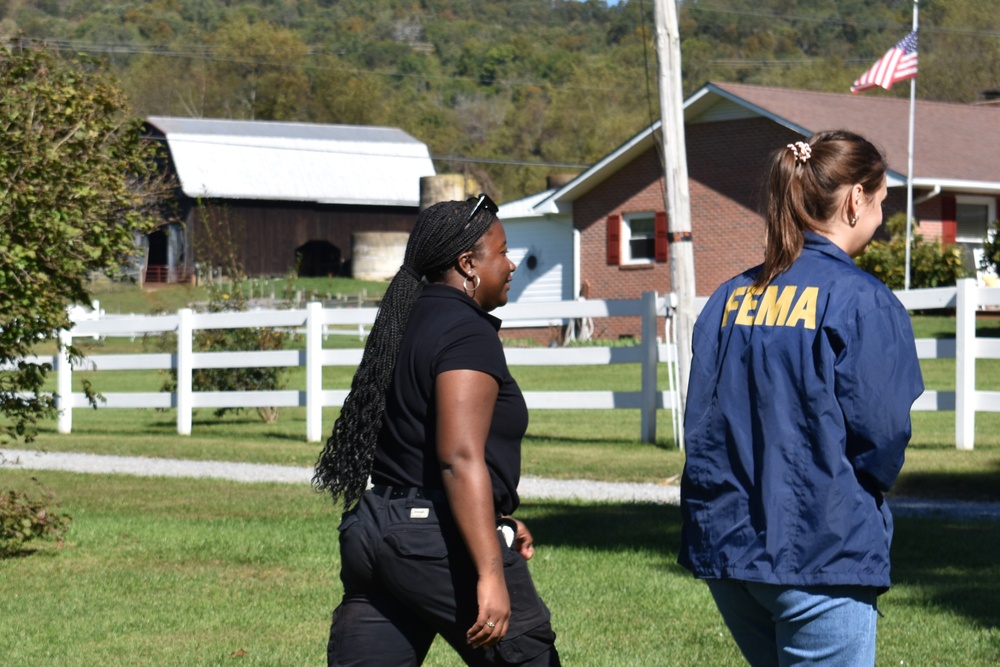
column 157, row 262
column 165, row 256
column 318, row 259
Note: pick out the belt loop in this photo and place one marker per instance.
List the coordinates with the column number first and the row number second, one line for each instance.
column 411, row 493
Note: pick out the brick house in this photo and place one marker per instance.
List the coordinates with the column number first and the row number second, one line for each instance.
column 614, row 212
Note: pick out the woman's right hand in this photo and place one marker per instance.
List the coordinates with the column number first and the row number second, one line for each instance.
column 494, row 612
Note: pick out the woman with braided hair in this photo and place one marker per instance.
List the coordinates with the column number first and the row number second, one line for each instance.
column 435, row 419
column 798, row 413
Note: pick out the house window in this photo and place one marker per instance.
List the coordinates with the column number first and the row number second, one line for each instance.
column 638, row 238
column 973, row 216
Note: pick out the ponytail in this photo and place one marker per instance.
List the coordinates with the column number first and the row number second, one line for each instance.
column 804, row 191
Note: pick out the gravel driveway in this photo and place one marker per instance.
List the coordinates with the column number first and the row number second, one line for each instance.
column 530, row 487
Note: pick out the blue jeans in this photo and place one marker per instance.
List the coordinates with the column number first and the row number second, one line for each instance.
column 828, row 626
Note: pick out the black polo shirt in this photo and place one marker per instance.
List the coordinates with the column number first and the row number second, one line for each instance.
column 448, row 331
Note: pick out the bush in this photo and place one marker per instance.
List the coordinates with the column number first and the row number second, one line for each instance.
column 991, row 250
column 932, row 264
column 229, row 297
column 24, row 518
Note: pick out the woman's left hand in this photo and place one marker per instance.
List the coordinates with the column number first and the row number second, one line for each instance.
column 524, row 543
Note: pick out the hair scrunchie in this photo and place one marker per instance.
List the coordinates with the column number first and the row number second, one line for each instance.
column 801, row 150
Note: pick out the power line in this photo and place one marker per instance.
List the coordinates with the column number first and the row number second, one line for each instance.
column 126, row 49
column 206, row 54
column 738, row 62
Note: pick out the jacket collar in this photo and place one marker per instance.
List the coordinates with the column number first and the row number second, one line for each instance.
column 819, row 243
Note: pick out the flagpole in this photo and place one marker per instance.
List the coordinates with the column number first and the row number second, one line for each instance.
column 909, row 165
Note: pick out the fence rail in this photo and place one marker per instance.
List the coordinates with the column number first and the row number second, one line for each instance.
column 966, row 298
column 315, row 320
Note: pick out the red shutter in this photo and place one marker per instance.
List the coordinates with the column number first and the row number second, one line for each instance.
column 614, row 239
column 660, row 236
column 949, row 219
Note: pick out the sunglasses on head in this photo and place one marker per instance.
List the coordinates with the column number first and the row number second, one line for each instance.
column 484, row 201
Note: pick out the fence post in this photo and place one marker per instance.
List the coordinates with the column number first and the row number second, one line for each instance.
column 185, row 369
column 314, row 371
column 649, row 359
column 64, row 383
column 965, row 364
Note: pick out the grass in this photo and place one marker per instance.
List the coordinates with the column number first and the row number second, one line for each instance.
column 119, row 297
column 204, row 572
column 173, row 572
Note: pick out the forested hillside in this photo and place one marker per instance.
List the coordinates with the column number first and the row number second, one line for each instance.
column 509, row 90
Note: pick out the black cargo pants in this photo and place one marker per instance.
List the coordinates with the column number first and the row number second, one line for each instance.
column 408, row 576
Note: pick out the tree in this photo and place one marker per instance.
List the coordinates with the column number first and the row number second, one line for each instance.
column 932, row 264
column 25, row 517
column 963, row 27
column 77, row 181
column 260, row 65
column 342, row 95
column 410, row 64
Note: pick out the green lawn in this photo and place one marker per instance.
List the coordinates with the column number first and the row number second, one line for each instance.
column 201, row 572
column 204, row 572
column 118, row 297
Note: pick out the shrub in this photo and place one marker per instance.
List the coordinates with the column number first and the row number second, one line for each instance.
column 932, row 264
column 991, row 250
column 24, row 518
column 228, row 297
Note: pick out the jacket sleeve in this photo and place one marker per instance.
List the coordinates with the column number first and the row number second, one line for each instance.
column 877, row 379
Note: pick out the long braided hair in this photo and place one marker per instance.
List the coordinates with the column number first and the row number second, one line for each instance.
column 441, row 233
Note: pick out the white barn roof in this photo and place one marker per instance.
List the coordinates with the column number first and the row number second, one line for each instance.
column 328, row 164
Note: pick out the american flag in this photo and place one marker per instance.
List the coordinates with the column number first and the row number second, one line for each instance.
column 898, row 64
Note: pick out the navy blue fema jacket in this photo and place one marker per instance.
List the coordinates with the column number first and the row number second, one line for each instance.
column 797, row 417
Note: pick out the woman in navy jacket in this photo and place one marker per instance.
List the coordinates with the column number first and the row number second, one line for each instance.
column 798, row 413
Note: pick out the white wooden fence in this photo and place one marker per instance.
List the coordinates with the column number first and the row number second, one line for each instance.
column 315, row 320
column 318, row 322
column 966, row 298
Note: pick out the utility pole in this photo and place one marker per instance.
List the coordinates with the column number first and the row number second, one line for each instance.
column 909, row 163
column 677, row 196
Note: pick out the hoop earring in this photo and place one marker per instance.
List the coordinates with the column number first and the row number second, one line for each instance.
column 475, row 285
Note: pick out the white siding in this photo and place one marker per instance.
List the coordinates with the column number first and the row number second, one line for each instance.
column 550, row 243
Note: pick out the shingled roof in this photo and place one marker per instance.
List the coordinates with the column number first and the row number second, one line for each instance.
column 955, row 145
